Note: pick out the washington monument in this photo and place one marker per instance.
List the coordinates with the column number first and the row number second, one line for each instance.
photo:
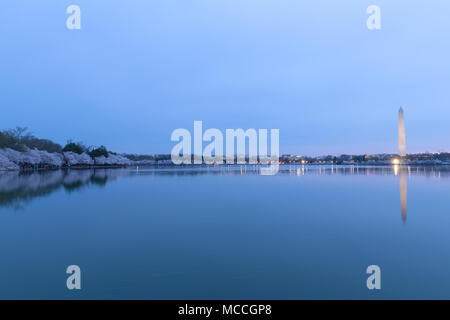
column 401, row 134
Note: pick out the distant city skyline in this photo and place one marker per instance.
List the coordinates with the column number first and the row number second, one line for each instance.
column 137, row 70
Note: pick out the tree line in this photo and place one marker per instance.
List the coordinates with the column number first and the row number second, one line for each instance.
column 20, row 139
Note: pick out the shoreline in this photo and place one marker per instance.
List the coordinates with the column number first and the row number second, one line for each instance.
column 40, row 160
column 206, row 166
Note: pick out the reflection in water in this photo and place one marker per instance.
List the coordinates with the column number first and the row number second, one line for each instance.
column 403, row 193
column 17, row 189
column 168, row 231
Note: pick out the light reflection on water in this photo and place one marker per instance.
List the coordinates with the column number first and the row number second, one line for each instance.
column 226, row 232
column 403, row 193
column 18, row 189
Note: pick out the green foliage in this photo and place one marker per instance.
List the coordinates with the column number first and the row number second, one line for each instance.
column 18, row 139
column 98, row 152
column 41, row 144
column 76, row 147
column 12, row 139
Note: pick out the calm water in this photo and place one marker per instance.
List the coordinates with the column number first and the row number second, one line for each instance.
column 226, row 233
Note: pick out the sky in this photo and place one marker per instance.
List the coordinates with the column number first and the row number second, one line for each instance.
column 137, row 70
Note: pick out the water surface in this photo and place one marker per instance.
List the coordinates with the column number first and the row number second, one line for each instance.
column 227, row 232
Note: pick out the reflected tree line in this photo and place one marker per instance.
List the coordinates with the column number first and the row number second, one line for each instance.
column 19, row 188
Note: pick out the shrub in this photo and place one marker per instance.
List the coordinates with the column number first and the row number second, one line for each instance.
column 98, row 152
column 76, row 147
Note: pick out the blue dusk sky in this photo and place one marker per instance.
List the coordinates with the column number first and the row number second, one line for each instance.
column 137, row 70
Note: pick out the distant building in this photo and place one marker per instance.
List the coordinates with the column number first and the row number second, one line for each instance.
column 401, row 133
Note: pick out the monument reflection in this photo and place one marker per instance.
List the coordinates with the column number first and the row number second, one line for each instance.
column 403, row 193
column 19, row 189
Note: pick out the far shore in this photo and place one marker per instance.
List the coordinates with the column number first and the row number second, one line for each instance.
column 198, row 166
column 38, row 160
